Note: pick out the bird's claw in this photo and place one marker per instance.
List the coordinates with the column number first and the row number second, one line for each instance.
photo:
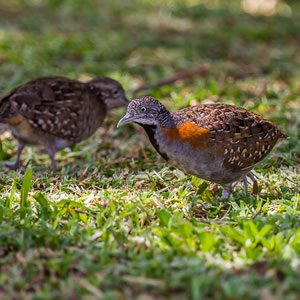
column 13, row 165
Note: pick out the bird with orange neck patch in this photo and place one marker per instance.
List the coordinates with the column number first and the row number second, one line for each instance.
column 217, row 142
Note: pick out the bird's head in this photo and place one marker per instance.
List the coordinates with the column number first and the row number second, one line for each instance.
column 108, row 90
column 145, row 110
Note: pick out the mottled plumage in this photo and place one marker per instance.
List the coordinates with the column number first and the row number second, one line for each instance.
column 217, row 142
column 57, row 112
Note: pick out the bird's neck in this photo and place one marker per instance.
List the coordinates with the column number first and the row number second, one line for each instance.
column 153, row 130
column 166, row 120
column 98, row 92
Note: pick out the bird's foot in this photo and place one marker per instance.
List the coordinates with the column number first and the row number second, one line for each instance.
column 13, row 165
column 227, row 189
column 52, row 158
column 53, row 165
column 225, row 194
column 245, row 185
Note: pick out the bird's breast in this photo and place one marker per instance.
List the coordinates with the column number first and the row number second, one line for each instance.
column 188, row 148
column 188, row 132
column 22, row 130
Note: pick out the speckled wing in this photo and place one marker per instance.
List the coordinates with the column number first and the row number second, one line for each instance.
column 58, row 106
column 243, row 138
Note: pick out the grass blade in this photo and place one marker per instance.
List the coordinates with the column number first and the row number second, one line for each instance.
column 25, row 188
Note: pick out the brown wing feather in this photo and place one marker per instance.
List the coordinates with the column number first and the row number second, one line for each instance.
column 242, row 137
column 58, row 106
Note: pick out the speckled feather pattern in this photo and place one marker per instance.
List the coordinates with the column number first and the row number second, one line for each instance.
column 242, row 137
column 61, row 107
column 56, row 112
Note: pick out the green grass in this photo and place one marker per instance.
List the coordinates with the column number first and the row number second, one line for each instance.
column 116, row 222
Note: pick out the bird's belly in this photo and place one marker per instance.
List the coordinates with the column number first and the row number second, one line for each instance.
column 203, row 163
column 200, row 163
column 25, row 133
column 62, row 143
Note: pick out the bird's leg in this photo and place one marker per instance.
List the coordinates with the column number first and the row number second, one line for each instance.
column 227, row 189
column 245, row 185
column 15, row 164
column 52, row 153
column 255, row 184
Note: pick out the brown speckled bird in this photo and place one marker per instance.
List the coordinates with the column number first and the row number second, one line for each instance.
column 217, row 142
column 57, row 112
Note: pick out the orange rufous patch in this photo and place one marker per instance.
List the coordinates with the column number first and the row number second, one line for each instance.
column 15, row 120
column 188, row 132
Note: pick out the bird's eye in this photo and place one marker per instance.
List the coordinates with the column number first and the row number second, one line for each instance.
column 115, row 92
column 143, row 109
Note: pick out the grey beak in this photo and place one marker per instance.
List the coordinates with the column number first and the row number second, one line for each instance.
column 126, row 119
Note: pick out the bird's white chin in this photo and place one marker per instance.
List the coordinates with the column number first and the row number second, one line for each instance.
column 143, row 121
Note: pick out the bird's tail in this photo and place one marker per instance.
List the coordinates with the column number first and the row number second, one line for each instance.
column 282, row 135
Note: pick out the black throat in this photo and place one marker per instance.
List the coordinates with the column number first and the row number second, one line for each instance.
column 150, row 130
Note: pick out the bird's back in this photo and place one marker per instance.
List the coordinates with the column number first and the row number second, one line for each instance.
column 58, row 106
column 241, row 137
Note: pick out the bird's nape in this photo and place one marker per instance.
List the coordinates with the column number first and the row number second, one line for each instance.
column 109, row 91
